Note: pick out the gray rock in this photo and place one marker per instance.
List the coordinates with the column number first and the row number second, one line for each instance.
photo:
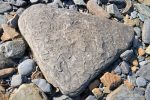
column 141, row 82
column 6, row 62
column 20, row 3
column 57, row 3
column 125, row 67
column 13, row 49
column 43, row 85
column 145, row 10
column 127, row 55
column 34, row 1
column 79, row 2
column 141, row 17
column 136, row 42
column 91, row 97
column 132, row 79
column 4, row 7
column 2, row 20
column 140, row 91
column 140, row 58
column 26, row 67
column 16, row 80
column 19, row 11
column 62, row 97
column 117, row 70
column 147, row 92
column 73, row 50
column 28, row 92
column 146, row 31
column 14, row 21
column 137, row 31
column 144, row 63
column 134, row 14
column 112, row 9
column 144, row 72
column 124, row 93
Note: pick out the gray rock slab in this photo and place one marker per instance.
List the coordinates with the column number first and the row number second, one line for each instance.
column 144, row 71
column 124, row 93
column 4, row 7
column 71, row 48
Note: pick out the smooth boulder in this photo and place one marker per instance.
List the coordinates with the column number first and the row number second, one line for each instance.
column 72, row 48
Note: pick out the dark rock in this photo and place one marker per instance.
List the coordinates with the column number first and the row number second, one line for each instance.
column 6, row 62
column 146, row 31
column 141, row 58
column 62, row 97
column 19, row 3
column 14, row 21
column 112, row 9
column 137, row 31
column 64, row 48
column 4, row 7
column 127, row 55
column 144, row 72
column 13, row 49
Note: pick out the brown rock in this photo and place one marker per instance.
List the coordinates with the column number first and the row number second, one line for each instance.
column 94, row 85
column 128, row 84
column 141, row 52
column 131, row 22
column 9, row 33
column 106, row 90
column 135, row 62
column 36, row 75
column 95, row 9
column 6, row 72
column 110, row 80
column 3, row 96
column 134, row 68
column 97, row 92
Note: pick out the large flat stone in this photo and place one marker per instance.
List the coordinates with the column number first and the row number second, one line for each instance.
column 71, row 48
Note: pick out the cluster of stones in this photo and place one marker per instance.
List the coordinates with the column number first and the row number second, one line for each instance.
column 46, row 54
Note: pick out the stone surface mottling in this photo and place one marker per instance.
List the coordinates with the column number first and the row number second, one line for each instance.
column 72, row 51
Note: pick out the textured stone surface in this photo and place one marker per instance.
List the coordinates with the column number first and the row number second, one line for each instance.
column 144, row 71
column 124, row 93
column 71, row 48
column 4, row 7
column 147, row 92
column 28, row 92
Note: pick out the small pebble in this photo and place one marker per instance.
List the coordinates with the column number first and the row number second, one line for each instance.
column 135, row 62
column 134, row 69
column 125, row 67
column 127, row 55
column 137, row 31
column 141, row 52
column 97, row 93
column 43, row 85
column 133, row 14
column 16, row 80
column 148, row 50
column 140, row 58
column 141, row 17
column 91, row 97
column 117, row 70
column 26, row 67
column 141, row 82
